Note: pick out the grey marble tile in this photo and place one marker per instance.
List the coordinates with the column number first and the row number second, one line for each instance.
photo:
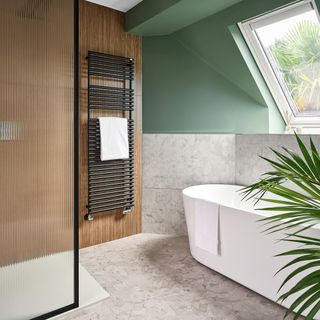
column 154, row 277
column 177, row 161
column 249, row 166
column 163, row 212
column 172, row 162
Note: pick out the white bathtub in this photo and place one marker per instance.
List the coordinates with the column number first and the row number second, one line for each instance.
column 245, row 255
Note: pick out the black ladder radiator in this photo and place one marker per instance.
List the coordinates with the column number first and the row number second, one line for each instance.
column 110, row 183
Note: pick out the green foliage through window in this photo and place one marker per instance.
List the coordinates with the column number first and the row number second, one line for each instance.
column 297, row 58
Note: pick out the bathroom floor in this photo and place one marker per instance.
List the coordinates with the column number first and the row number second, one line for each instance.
column 151, row 277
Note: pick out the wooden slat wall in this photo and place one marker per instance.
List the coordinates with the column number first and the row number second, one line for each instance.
column 102, row 29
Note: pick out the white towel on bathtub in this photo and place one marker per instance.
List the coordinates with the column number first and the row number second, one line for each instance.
column 207, row 217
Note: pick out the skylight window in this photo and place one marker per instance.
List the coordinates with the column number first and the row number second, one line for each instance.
column 286, row 46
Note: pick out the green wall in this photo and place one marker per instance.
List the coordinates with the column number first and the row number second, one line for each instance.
column 200, row 79
column 182, row 93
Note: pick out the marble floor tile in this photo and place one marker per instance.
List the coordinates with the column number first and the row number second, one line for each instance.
column 153, row 277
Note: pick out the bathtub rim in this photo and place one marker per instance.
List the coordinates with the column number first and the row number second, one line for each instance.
column 246, row 206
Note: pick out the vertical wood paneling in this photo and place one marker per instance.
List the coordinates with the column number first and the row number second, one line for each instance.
column 102, row 30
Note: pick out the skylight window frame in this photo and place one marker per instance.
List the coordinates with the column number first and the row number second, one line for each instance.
column 247, row 29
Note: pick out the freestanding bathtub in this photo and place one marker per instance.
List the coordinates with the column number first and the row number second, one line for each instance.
column 225, row 236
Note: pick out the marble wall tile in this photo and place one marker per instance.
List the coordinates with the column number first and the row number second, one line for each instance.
column 163, row 212
column 249, row 166
column 181, row 160
column 172, row 162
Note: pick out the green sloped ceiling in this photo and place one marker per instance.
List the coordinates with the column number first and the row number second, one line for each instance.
column 163, row 17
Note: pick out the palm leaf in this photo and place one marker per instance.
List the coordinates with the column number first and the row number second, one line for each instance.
column 296, row 209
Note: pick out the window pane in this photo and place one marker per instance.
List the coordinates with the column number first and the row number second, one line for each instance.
column 292, row 47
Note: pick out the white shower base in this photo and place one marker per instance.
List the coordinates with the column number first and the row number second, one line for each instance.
column 38, row 286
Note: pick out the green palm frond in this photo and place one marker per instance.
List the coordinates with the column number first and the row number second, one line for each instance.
column 296, row 209
column 296, row 56
column 300, row 46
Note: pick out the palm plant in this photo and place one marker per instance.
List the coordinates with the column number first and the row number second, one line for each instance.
column 296, row 210
column 297, row 57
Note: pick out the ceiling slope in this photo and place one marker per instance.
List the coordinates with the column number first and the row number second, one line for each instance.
column 120, row 5
column 155, row 18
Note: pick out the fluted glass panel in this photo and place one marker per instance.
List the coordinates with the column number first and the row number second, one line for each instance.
column 36, row 157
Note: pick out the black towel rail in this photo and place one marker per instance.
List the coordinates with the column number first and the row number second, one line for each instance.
column 110, row 183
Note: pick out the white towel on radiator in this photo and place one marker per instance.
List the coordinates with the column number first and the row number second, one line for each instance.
column 114, row 142
column 207, row 219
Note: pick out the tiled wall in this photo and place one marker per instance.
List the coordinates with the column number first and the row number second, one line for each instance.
column 172, row 162
column 249, row 166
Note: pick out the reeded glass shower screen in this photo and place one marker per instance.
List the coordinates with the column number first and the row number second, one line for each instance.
column 38, row 233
